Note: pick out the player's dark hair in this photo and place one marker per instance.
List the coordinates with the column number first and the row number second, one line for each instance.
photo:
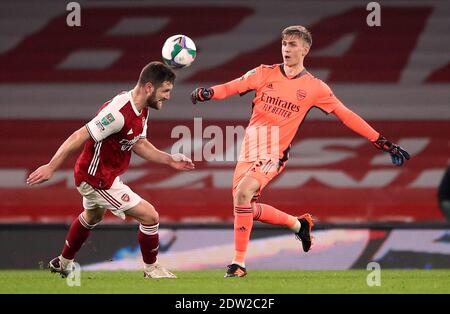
column 156, row 73
column 297, row 31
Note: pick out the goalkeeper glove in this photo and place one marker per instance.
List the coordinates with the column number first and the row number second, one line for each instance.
column 201, row 94
column 398, row 154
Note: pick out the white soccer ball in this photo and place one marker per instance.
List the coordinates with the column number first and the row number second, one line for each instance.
column 179, row 51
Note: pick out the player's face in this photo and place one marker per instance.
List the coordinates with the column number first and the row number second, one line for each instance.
column 158, row 95
column 293, row 50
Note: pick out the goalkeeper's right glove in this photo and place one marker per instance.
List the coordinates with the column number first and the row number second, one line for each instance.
column 398, row 154
column 201, row 94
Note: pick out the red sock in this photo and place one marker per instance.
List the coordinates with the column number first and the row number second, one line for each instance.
column 268, row 214
column 149, row 241
column 78, row 233
column 243, row 224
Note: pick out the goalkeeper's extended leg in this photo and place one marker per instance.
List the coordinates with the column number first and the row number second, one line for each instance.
column 300, row 225
column 78, row 233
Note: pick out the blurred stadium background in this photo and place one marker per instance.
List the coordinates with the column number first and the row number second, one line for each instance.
column 53, row 78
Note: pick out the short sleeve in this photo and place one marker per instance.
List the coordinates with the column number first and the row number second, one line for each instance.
column 104, row 124
column 326, row 100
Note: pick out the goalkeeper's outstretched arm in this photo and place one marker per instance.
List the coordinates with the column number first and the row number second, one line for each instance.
column 219, row 92
column 357, row 124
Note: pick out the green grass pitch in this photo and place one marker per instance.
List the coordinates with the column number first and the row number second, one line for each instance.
column 212, row 282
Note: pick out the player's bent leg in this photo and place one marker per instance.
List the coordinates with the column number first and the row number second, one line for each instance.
column 301, row 226
column 78, row 233
column 271, row 215
column 144, row 213
column 243, row 224
column 148, row 238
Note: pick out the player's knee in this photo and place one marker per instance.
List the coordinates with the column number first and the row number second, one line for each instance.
column 151, row 219
column 93, row 217
column 151, row 216
column 242, row 196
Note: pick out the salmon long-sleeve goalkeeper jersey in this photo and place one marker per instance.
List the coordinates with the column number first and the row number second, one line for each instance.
column 280, row 106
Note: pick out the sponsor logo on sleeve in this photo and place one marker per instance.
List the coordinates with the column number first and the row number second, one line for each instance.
column 108, row 119
column 99, row 125
column 251, row 72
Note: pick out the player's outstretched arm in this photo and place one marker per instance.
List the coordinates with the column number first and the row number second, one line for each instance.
column 70, row 145
column 222, row 91
column 357, row 124
column 146, row 150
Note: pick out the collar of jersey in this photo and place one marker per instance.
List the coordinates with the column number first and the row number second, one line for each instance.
column 303, row 72
column 133, row 105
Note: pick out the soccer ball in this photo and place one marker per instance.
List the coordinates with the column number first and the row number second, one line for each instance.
column 179, row 51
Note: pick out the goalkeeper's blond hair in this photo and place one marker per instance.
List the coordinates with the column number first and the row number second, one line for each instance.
column 297, row 31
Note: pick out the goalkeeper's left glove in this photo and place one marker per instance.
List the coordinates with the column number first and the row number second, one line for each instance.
column 398, row 154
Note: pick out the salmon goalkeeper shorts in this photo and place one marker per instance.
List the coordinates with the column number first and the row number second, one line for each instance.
column 263, row 170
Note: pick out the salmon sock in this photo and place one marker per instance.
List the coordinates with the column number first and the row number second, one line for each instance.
column 269, row 214
column 243, row 223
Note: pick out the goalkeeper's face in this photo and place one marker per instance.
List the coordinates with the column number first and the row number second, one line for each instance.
column 159, row 94
column 293, row 50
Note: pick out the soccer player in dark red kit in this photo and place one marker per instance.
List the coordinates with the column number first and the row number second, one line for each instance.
column 284, row 95
column 119, row 127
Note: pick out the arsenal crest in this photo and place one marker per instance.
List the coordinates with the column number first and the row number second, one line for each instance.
column 125, row 198
column 301, row 94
